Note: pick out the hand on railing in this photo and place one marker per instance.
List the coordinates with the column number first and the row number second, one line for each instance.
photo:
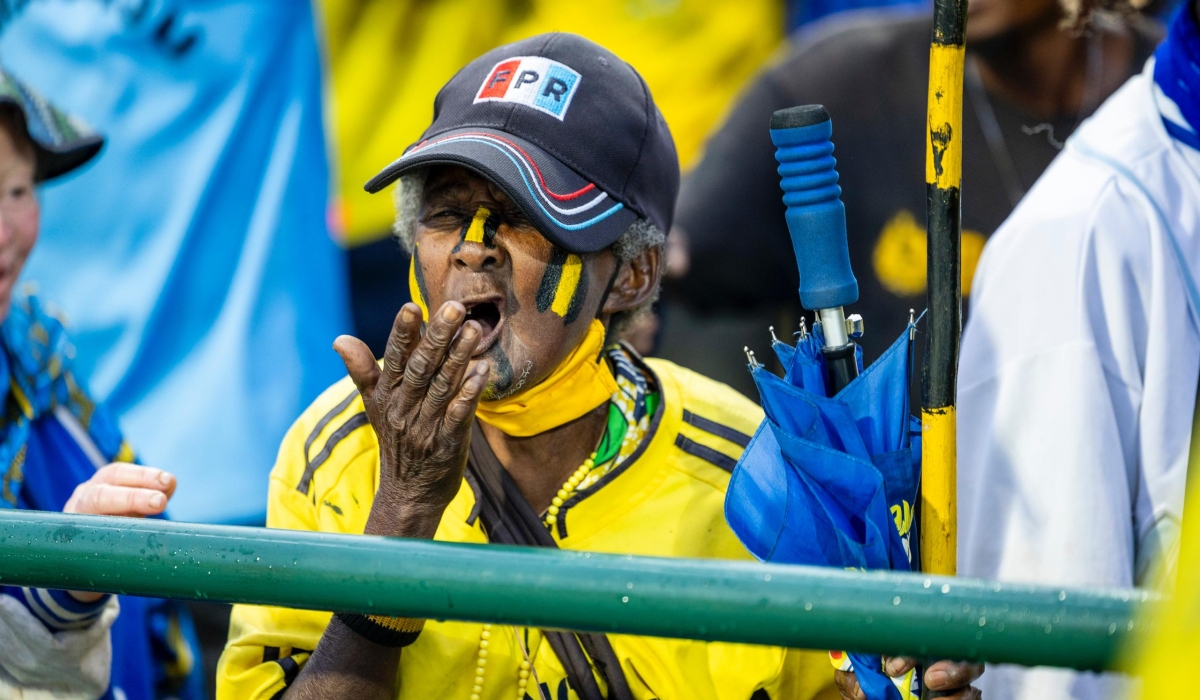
column 121, row 489
column 947, row 679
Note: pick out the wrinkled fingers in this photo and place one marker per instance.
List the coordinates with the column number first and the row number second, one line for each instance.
column 847, row 685
column 449, row 376
column 430, row 353
column 952, row 675
column 462, row 408
column 406, row 333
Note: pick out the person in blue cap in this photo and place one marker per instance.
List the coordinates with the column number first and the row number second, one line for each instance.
column 1079, row 365
column 59, row 450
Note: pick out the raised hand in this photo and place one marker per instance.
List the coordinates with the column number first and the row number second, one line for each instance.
column 421, row 403
column 948, row 679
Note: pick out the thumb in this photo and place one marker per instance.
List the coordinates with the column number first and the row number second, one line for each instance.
column 360, row 365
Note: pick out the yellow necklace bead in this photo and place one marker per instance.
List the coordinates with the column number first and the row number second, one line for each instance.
column 567, row 489
column 481, row 661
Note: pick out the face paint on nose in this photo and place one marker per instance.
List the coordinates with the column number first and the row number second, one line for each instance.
column 564, row 285
column 480, row 229
column 416, row 285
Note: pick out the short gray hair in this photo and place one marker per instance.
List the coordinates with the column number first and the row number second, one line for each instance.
column 640, row 237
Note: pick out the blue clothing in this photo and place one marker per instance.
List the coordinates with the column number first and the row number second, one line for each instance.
column 65, row 438
column 193, row 256
column 1177, row 74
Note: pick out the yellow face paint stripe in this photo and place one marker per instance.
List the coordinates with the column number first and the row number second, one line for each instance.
column 567, row 284
column 943, row 136
column 475, row 232
column 414, row 289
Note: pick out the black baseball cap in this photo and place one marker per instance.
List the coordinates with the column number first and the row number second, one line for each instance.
column 63, row 143
column 567, row 129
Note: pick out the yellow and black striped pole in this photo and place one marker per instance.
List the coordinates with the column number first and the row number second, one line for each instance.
column 943, row 178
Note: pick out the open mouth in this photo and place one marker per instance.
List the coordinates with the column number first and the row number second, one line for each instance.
column 488, row 314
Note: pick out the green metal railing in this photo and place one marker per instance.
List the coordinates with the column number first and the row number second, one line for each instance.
column 793, row 606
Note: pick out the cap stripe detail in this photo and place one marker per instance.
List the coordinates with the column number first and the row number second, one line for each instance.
column 542, row 180
column 508, row 145
column 504, row 149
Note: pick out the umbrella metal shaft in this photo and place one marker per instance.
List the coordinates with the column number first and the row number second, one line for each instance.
column 840, row 356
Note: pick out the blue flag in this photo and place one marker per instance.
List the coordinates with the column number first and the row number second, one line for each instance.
column 192, row 258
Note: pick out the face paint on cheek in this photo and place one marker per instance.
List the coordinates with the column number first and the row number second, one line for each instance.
column 564, row 286
column 481, row 228
column 502, row 373
column 416, row 285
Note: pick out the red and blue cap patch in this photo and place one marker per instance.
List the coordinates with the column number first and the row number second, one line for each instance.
column 533, row 81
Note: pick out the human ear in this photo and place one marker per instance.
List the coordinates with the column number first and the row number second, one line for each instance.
column 636, row 281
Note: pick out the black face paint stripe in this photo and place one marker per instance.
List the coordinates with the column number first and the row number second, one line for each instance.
column 504, row 374
column 490, row 228
column 420, row 278
column 550, row 279
column 482, row 228
column 580, row 296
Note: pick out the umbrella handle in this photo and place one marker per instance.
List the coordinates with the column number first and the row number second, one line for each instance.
column 816, row 220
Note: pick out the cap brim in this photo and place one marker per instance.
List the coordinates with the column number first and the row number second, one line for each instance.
column 55, row 162
column 62, row 144
column 565, row 207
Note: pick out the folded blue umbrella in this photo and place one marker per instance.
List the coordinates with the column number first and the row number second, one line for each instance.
column 831, row 481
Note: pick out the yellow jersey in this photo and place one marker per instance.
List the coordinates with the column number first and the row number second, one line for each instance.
column 666, row 501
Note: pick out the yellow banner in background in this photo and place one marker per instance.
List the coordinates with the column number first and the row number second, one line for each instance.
column 388, row 58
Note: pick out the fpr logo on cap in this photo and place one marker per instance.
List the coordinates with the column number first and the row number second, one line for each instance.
column 533, row 81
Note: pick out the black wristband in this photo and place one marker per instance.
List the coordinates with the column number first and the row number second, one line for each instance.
column 394, row 632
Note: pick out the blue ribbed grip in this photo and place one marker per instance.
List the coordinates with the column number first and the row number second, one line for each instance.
column 816, row 217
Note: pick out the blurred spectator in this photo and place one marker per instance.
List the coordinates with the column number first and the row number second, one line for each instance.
column 1075, row 426
column 194, row 261
column 1029, row 83
column 56, row 446
column 389, row 57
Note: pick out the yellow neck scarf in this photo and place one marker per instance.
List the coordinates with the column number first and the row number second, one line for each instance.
column 581, row 383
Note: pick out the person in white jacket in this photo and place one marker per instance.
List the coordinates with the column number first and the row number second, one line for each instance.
column 1079, row 365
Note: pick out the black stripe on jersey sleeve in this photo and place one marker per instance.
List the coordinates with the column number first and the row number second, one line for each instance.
column 705, row 453
column 325, row 419
column 353, row 423
column 737, row 437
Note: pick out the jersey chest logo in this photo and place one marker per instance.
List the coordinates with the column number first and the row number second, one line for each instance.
column 533, row 81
